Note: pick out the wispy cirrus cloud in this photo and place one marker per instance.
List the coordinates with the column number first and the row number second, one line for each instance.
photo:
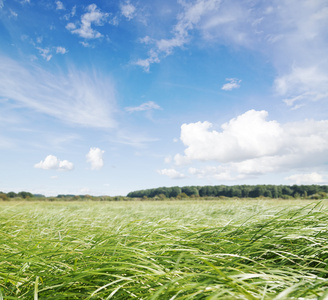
column 82, row 98
column 291, row 36
column 302, row 84
column 143, row 107
column 192, row 14
column 132, row 138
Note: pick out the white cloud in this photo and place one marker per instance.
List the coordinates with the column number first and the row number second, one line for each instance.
column 128, row 10
column 145, row 40
column 59, row 5
column 303, row 84
column 233, row 83
column 187, row 21
column 83, row 98
column 247, row 136
column 73, row 12
column 145, row 63
column 291, row 36
column 181, row 160
column 144, row 106
column 13, row 13
column 45, row 53
column 172, row 173
column 87, row 45
column 61, row 50
column 70, row 26
column 70, row 14
column 51, row 162
column 249, row 146
column 95, row 158
column 93, row 16
column 1, row 4
column 312, row 178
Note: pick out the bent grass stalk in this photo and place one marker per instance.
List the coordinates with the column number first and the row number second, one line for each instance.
column 164, row 250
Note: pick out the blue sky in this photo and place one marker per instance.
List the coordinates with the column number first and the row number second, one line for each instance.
column 107, row 97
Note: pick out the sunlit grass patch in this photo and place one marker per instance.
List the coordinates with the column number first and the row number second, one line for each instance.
column 164, row 250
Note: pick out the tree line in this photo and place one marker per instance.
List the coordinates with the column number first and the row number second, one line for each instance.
column 235, row 191
column 218, row 191
column 22, row 195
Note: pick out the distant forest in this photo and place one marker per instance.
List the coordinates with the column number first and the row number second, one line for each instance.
column 205, row 192
column 236, row 191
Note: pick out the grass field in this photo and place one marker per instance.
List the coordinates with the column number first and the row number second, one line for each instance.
column 237, row 249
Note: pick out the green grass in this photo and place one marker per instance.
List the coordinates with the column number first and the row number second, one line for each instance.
column 164, row 250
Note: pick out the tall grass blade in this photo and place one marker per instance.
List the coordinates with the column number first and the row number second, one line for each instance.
column 36, row 288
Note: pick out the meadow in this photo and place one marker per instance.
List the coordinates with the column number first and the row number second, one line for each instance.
column 228, row 249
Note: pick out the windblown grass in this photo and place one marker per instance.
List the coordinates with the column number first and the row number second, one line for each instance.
column 164, row 250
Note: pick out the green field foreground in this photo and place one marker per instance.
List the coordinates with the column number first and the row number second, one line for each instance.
column 236, row 249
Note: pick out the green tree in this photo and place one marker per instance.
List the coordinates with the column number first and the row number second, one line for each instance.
column 174, row 191
column 190, row 191
column 25, row 195
column 12, row 195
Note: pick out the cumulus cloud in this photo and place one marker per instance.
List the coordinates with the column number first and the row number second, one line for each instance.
column 233, row 83
column 95, row 158
column 51, row 162
column 172, row 173
column 59, row 5
column 247, row 136
column 128, row 10
column 144, row 106
column 311, row 178
column 83, row 98
column 249, row 146
column 92, row 16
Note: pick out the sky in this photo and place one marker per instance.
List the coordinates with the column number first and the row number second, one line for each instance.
column 107, row 97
